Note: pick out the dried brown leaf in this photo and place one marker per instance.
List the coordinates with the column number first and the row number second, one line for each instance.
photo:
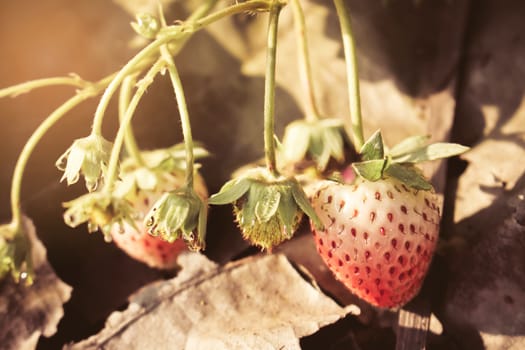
column 27, row 312
column 256, row 303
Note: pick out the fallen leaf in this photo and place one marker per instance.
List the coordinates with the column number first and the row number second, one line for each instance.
column 27, row 312
column 256, row 303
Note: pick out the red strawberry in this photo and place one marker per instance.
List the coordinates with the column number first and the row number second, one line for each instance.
column 378, row 237
column 139, row 244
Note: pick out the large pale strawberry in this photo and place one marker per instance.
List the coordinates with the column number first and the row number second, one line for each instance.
column 142, row 187
column 381, row 222
column 378, row 237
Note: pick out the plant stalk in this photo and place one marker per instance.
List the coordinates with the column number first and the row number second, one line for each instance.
column 305, row 67
column 183, row 112
column 129, row 136
column 352, row 75
column 23, row 88
column 143, row 84
column 269, row 89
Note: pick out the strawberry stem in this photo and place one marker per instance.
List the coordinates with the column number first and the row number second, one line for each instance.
column 352, row 75
column 143, row 84
column 202, row 10
column 179, row 33
column 131, row 66
column 23, row 88
column 16, row 184
column 305, row 68
column 129, row 137
column 183, row 113
column 250, row 5
column 269, row 89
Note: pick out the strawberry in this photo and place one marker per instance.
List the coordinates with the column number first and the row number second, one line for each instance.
column 381, row 226
column 378, row 237
column 147, row 187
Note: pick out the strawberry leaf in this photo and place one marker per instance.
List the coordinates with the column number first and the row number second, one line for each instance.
column 408, row 175
column 373, row 147
column 431, row 152
column 371, row 170
column 409, row 145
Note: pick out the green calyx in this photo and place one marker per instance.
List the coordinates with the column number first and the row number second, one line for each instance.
column 15, row 254
column 88, row 156
column 267, row 209
column 399, row 162
column 100, row 210
column 179, row 214
column 321, row 140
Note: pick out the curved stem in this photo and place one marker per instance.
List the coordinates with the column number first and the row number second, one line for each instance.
column 269, row 90
column 351, row 71
column 183, row 112
column 166, row 35
column 305, row 68
column 195, row 22
column 23, row 88
column 129, row 137
column 202, row 10
column 33, row 140
column 143, row 84
column 129, row 68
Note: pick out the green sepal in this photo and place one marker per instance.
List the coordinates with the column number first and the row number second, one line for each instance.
column 409, row 145
column 287, row 209
column 100, row 210
column 409, row 175
column 178, row 214
column 371, row 170
column 199, row 243
column 373, row 147
column 267, row 206
column 320, row 139
column 431, row 152
column 296, row 141
column 302, row 201
column 327, row 142
column 230, row 191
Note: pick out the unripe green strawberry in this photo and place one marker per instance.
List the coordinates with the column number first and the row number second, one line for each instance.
column 378, row 237
column 268, row 208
